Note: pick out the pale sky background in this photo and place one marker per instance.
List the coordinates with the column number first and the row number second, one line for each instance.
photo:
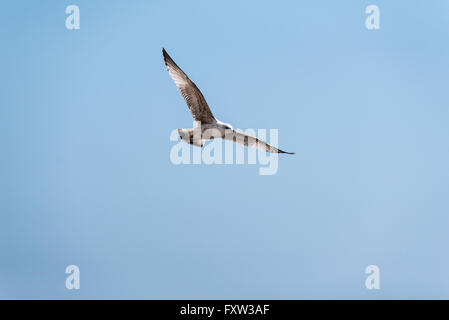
column 86, row 179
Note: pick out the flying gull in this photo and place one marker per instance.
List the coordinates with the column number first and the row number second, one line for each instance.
column 210, row 126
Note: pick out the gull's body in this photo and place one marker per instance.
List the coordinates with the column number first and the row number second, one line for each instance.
column 208, row 126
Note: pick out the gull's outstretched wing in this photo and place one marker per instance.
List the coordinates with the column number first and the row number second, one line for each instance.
column 192, row 95
column 250, row 141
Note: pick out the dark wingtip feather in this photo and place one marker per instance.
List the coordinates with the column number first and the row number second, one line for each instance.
column 166, row 56
column 280, row 151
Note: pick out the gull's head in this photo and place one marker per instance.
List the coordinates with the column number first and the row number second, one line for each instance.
column 225, row 125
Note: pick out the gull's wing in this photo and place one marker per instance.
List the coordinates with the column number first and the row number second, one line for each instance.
column 250, row 141
column 192, row 95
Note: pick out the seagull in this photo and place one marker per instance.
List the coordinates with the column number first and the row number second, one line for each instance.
column 209, row 127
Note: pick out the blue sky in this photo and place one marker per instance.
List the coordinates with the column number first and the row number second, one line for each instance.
column 86, row 178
